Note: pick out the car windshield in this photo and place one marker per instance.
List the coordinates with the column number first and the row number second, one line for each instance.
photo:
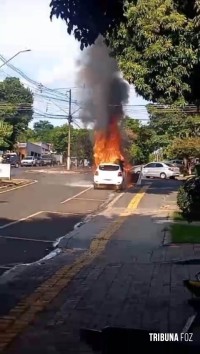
column 169, row 164
column 28, row 158
column 108, row 167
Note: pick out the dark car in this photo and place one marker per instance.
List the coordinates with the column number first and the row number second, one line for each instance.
column 12, row 159
column 47, row 160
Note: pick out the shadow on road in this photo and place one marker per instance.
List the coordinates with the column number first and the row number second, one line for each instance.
column 29, row 240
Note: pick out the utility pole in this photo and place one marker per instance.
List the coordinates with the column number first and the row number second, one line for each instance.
column 69, row 131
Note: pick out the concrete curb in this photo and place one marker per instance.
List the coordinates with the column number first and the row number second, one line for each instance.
column 87, row 230
column 18, row 186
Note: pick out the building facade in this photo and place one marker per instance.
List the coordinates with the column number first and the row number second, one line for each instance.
column 33, row 149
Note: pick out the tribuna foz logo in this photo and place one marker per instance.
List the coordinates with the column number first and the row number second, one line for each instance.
column 171, row 337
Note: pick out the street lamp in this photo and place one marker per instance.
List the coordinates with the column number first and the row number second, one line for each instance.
column 21, row 51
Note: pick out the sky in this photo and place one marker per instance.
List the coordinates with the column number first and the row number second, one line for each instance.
column 51, row 61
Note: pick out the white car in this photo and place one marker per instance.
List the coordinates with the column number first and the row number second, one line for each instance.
column 160, row 170
column 29, row 161
column 109, row 174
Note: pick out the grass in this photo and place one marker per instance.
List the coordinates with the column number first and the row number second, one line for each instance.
column 185, row 233
column 178, row 216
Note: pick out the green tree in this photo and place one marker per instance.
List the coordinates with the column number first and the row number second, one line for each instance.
column 185, row 148
column 139, row 140
column 59, row 138
column 81, row 144
column 170, row 124
column 27, row 135
column 42, row 126
column 5, row 133
column 15, row 107
column 87, row 19
column 155, row 42
column 43, row 130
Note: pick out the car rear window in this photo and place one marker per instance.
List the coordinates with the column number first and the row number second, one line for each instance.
column 169, row 164
column 108, row 168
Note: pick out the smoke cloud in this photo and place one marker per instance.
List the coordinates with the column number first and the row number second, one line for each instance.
column 104, row 90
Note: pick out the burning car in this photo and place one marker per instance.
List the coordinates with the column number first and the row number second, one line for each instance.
column 109, row 174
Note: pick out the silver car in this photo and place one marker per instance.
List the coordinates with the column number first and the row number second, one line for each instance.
column 160, row 170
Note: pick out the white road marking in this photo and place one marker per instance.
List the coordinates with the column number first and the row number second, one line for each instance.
column 92, row 199
column 4, row 267
column 25, row 239
column 60, row 212
column 14, row 188
column 115, row 200
column 20, row 220
column 76, row 195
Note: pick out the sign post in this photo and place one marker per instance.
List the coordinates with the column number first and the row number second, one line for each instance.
column 5, row 170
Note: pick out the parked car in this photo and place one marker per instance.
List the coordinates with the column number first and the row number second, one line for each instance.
column 160, row 170
column 109, row 174
column 12, row 159
column 136, row 169
column 176, row 163
column 40, row 161
column 48, row 160
column 29, row 161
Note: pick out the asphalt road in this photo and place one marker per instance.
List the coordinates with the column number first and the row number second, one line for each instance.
column 33, row 217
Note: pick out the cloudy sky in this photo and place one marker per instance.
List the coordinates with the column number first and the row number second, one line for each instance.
column 52, row 59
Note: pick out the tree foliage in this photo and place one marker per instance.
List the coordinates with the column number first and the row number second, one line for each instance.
column 172, row 124
column 139, row 140
column 158, row 50
column 15, row 107
column 5, row 133
column 185, row 148
column 81, row 141
column 87, row 19
column 155, row 42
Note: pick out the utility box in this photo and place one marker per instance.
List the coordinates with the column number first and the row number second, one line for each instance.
column 5, row 171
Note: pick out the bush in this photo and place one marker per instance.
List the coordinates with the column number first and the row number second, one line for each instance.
column 188, row 198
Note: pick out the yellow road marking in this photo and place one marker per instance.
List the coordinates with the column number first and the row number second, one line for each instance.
column 26, row 310
column 14, row 188
column 138, row 197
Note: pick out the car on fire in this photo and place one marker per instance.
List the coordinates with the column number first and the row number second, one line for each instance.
column 109, row 174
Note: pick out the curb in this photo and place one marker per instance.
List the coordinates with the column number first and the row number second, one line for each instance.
column 29, row 182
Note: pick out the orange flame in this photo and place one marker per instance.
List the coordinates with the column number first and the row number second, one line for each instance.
column 108, row 144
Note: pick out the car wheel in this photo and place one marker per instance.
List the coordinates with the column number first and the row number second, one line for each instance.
column 95, row 186
column 163, row 175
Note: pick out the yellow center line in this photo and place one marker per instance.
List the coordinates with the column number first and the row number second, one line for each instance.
column 26, row 310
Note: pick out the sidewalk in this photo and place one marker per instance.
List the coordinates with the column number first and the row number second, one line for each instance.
column 126, row 278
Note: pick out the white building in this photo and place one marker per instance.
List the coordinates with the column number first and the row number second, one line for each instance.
column 33, row 149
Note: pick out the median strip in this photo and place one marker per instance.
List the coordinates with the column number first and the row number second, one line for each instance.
column 26, row 310
column 14, row 184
